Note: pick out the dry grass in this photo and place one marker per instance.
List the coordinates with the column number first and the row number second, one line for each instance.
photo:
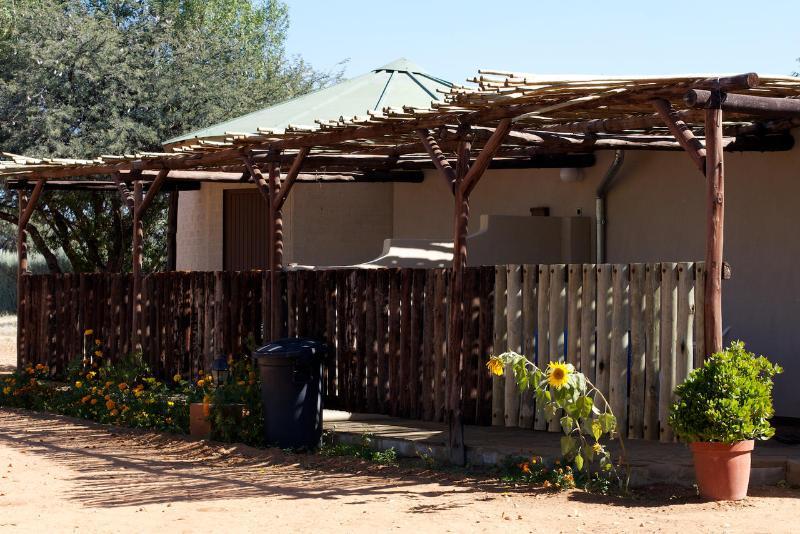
column 8, row 343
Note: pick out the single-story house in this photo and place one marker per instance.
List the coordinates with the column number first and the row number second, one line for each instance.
column 654, row 210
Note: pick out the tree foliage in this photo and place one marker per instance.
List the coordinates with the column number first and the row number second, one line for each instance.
column 80, row 78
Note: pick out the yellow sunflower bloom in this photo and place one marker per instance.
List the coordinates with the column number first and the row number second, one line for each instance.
column 558, row 374
column 495, row 366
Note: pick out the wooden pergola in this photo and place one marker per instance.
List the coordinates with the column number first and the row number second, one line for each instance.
column 503, row 120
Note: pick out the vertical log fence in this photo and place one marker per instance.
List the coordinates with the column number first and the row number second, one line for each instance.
column 632, row 328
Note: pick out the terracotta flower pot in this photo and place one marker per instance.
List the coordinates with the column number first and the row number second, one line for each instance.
column 199, row 425
column 722, row 470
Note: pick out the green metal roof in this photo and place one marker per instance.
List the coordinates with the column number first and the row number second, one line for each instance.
column 399, row 83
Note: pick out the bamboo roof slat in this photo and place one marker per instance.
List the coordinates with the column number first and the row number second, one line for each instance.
column 560, row 106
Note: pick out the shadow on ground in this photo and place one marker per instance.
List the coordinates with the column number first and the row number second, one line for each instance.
column 123, row 467
column 113, row 467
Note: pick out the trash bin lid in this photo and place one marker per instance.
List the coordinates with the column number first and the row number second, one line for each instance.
column 297, row 348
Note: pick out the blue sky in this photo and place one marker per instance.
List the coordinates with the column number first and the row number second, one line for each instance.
column 452, row 39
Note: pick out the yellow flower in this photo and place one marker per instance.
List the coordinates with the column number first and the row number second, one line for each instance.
column 597, row 448
column 170, row 403
column 88, row 332
column 201, row 383
column 110, row 404
column 138, row 393
column 200, row 372
column 557, row 374
column 546, row 484
column 6, row 390
column 91, row 374
column 79, row 384
column 495, row 366
column 98, row 342
column 177, row 377
column 98, row 353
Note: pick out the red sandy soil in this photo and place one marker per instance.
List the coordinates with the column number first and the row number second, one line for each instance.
column 59, row 475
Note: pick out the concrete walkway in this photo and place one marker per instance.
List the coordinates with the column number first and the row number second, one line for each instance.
column 651, row 461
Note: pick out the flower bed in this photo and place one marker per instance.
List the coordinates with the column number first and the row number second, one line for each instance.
column 125, row 393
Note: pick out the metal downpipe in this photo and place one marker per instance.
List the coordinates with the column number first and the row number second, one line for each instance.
column 600, row 204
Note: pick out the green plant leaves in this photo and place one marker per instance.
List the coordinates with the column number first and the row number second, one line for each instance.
column 568, row 445
column 728, row 399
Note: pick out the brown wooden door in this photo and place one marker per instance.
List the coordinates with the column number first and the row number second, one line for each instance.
column 244, row 230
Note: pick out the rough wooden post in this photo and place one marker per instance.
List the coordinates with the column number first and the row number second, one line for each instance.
column 455, row 337
column 715, row 180
column 275, row 251
column 22, row 270
column 137, row 252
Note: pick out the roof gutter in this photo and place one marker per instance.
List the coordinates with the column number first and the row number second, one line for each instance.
column 600, row 204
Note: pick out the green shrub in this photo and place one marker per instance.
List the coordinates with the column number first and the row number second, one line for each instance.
column 728, row 399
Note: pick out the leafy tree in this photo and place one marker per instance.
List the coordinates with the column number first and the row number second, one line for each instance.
column 80, row 78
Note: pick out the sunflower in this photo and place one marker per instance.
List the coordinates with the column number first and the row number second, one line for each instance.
column 557, row 374
column 495, row 366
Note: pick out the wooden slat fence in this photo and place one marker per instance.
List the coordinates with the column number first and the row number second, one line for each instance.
column 631, row 328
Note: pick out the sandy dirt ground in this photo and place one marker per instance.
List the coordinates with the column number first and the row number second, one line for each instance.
column 63, row 475
column 8, row 343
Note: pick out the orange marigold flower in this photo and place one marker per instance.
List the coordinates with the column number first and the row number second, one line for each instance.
column 114, row 413
column 98, row 342
column 201, row 383
column 6, row 390
column 110, row 404
column 138, row 393
column 122, row 386
column 547, row 484
column 94, row 401
column 526, row 468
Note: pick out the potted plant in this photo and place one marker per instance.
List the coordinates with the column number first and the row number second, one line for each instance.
column 720, row 410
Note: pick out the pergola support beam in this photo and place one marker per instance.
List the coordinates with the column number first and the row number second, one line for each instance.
column 455, row 338
column 682, row 133
column 26, row 207
column 715, row 198
column 438, row 158
column 137, row 253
